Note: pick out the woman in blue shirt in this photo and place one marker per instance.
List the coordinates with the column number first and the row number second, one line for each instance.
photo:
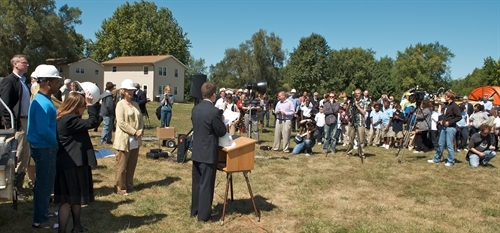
column 166, row 103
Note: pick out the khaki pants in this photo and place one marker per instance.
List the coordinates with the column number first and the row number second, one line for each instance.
column 282, row 130
column 125, row 168
column 23, row 147
column 352, row 135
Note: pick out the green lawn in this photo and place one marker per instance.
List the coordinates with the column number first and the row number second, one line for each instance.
column 294, row 193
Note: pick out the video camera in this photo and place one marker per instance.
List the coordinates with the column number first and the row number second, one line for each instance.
column 417, row 95
column 260, row 87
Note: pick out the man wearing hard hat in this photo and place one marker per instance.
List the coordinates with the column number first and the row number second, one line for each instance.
column 42, row 137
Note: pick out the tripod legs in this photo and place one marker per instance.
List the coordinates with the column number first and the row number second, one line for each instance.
column 229, row 184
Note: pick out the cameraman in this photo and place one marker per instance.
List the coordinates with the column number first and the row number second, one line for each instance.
column 358, row 105
column 251, row 105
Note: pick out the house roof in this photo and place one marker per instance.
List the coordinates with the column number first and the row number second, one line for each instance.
column 131, row 60
column 90, row 59
column 57, row 61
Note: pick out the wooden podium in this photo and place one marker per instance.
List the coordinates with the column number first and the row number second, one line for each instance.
column 239, row 158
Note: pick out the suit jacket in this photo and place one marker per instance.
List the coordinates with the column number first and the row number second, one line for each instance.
column 207, row 128
column 470, row 108
column 11, row 91
column 141, row 99
column 75, row 146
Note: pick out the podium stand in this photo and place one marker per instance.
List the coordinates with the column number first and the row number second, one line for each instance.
column 239, row 158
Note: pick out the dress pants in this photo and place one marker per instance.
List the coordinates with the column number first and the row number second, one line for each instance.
column 282, row 131
column 203, row 175
column 125, row 169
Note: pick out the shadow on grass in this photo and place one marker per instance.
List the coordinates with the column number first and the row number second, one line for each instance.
column 165, row 182
column 110, row 222
column 244, row 206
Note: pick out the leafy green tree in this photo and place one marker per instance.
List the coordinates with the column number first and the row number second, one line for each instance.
column 426, row 65
column 489, row 74
column 140, row 29
column 260, row 58
column 351, row 68
column 308, row 64
column 382, row 81
column 38, row 30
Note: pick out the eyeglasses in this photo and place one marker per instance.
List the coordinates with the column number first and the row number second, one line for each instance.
column 24, row 62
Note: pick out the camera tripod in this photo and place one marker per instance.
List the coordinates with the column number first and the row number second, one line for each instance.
column 353, row 112
column 411, row 128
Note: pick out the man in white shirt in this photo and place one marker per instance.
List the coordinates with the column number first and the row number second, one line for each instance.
column 486, row 103
column 65, row 89
column 221, row 102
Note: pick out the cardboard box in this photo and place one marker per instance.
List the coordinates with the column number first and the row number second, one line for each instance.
column 165, row 133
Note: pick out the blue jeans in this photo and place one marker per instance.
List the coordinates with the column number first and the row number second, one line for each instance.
column 165, row 118
column 475, row 159
column 462, row 137
column 330, row 140
column 266, row 115
column 107, row 129
column 446, row 137
column 305, row 145
column 45, row 159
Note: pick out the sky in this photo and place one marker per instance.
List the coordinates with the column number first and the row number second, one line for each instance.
column 470, row 29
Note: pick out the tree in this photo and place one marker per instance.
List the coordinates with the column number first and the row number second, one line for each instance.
column 382, row 81
column 489, row 74
column 35, row 29
column 260, row 58
column 140, row 29
column 425, row 65
column 308, row 66
column 351, row 69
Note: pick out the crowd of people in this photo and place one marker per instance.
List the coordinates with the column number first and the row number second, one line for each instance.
column 54, row 146
column 361, row 120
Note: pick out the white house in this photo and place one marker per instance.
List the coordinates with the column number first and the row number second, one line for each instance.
column 153, row 73
column 84, row 70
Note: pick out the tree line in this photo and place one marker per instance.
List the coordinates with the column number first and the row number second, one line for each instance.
column 39, row 30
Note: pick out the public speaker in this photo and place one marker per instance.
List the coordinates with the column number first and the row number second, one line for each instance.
column 197, row 81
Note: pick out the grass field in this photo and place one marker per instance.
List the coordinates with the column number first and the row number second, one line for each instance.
column 294, row 193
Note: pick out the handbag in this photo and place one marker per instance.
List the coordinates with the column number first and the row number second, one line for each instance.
column 298, row 139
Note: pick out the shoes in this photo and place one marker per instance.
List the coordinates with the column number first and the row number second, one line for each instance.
column 276, row 149
column 387, row 147
column 325, row 151
column 52, row 214
column 417, row 152
column 448, row 164
column 319, row 143
column 307, row 154
column 82, row 229
column 286, row 151
column 466, row 149
column 431, row 161
column 349, row 152
column 458, row 150
column 46, row 225
column 211, row 219
column 355, row 147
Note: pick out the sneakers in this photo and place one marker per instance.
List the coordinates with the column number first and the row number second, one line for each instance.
column 286, row 151
column 349, row 152
column 431, row 161
column 46, row 225
column 466, row 150
column 458, row 150
column 448, row 164
column 417, row 152
column 387, row 147
column 307, row 154
column 355, row 147
column 319, row 143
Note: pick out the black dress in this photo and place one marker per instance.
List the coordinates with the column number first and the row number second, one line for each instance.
column 75, row 159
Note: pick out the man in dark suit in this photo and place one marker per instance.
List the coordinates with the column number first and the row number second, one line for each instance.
column 468, row 106
column 208, row 126
column 140, row 98
column 15, row 92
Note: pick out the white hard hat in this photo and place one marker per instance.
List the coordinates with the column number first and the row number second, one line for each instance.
column 240, row 90
column 293, row 91
column 47, row 71
column 222, row 89
column 128, row 84
column 67, row 81
column 37, row 70
column 92, row 88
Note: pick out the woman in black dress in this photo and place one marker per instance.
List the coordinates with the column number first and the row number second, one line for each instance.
column 75, row 158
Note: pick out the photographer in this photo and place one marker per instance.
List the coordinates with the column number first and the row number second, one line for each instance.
column 481, row 147
column 308, row 140
column 357, row 107
column 251, row 105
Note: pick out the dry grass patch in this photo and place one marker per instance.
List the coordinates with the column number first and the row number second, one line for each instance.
column 294, row 193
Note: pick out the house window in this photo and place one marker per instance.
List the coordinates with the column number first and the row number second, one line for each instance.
column 82, row 71
column 77, row 70
column 176, row 73
column 113, row 69
column 160, row 70
column 145, row 69
column 96, row 72
column 164, row 71
column 175, row 90
column 160, row 90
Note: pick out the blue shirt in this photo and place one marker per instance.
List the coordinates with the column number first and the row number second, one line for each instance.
column 375, row 117
column 387, row 116
column 167, row 107
column 41, row 131
column 295, row 101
